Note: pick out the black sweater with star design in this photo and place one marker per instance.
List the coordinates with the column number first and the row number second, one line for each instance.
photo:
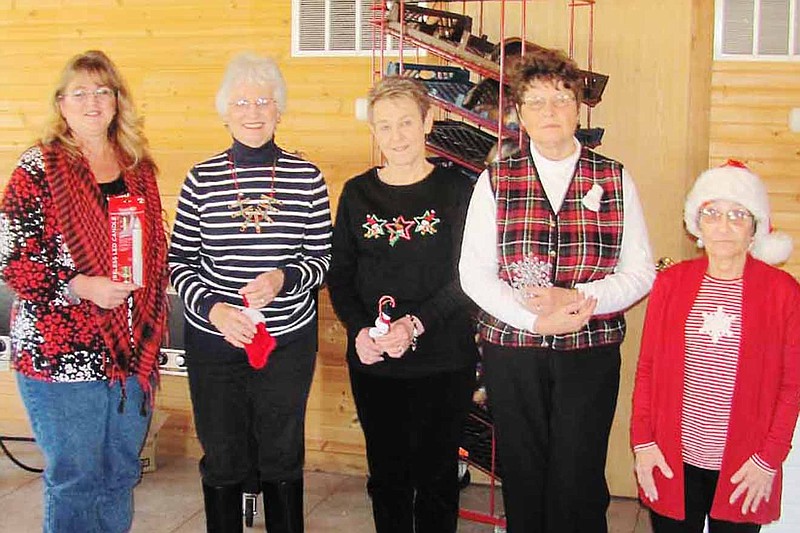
column 404, row 241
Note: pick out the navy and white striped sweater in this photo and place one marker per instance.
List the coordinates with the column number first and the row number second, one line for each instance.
column 211, row 258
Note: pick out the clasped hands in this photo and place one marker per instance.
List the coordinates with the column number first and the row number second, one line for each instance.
column 394, row 344
column 559, row 310
column 234, row 325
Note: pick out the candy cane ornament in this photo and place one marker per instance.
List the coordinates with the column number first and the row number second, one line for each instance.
column 383, row 320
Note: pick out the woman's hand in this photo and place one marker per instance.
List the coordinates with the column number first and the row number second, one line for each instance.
column 646, row 460
column 233, row 324
column 261, row 291
column 545, row 300
column 101, row 290
column 567, row 319
column 755, row 483
column 397, row 341
column 368, row 352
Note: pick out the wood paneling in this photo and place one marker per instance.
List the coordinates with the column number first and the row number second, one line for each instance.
column 656, row 115
column 173, row 55
column 750, row 109
column 13, row 420
column 655, row 111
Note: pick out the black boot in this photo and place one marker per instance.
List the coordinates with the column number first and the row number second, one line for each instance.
column 223, row 508
column 283, row 506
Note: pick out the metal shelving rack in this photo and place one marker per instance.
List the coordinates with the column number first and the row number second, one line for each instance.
column 448, row 35
column 466, row 141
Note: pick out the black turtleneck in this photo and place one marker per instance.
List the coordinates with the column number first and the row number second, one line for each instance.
column 248, row 156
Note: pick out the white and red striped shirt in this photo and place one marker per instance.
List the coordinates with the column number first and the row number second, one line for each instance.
column 713, row 335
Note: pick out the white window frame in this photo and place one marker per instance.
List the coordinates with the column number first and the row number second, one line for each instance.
column 359, row 51
column 754, row 55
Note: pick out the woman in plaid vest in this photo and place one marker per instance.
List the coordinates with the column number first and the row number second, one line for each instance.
column 555, row 249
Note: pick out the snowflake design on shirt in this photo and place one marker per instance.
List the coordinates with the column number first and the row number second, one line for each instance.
column 399, row 228
column 426, row 224
column 717, row 324
column 530, row 271
column 373, row 227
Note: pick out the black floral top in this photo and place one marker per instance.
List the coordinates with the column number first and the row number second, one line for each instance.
column 53, row 338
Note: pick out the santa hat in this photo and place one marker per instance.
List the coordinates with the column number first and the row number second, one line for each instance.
column 734, row 182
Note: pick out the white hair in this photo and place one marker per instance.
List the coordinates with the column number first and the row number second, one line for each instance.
column 248, row 67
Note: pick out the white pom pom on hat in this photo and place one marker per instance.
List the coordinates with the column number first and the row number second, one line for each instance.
column 734, row 182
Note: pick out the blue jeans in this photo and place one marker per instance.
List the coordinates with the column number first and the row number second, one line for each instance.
column 91, row 452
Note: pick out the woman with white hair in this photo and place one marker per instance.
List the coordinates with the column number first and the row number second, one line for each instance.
column 717, row 387
column 250, row 247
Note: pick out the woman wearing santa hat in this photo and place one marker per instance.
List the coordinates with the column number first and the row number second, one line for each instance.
column 717, row 388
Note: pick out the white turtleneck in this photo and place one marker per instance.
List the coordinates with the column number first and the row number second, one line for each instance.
column 479, row 264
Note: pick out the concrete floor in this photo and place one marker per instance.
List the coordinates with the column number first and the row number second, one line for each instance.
column 170, row 501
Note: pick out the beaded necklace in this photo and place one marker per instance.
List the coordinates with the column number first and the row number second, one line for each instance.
column 255, row 212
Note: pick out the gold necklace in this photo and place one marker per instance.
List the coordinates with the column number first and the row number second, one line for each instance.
column 255, row 212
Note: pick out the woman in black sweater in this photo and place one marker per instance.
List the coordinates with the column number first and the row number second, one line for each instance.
column 398, row 234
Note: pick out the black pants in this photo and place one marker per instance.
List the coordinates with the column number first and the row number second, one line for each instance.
column 699, row 488
column 237, row 408
column 552, row 413
column 413, row 429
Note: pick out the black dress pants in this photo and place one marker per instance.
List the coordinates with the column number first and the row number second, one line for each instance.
column 413, row 429
column 246, row 417
column 699, row 488
column 552, row 413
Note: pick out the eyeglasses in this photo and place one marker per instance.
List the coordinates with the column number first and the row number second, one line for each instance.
column 736, row 217
column 537, row 103
column 81, row 95
column 261, row 103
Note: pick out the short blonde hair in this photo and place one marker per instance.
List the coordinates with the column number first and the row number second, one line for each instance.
column 248, row 67
column 125, row 131
column 392, row 87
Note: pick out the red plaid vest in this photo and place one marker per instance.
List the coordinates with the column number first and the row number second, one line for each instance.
column 581, row 242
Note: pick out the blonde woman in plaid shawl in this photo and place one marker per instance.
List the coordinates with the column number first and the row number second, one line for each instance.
column 84, row 347
column 555, row 249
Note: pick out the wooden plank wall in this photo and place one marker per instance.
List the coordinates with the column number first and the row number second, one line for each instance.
column 655, row 111
column 750, row 109
column 173, row 55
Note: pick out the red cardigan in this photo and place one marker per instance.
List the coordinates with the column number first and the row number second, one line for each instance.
column 766, row 396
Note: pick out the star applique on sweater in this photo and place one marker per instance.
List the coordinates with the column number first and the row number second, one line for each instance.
column 373, row 227
column 426, row 224
column 717, row 324
column 398, row 229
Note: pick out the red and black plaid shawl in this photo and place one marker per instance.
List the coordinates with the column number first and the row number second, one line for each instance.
column 84, row 222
